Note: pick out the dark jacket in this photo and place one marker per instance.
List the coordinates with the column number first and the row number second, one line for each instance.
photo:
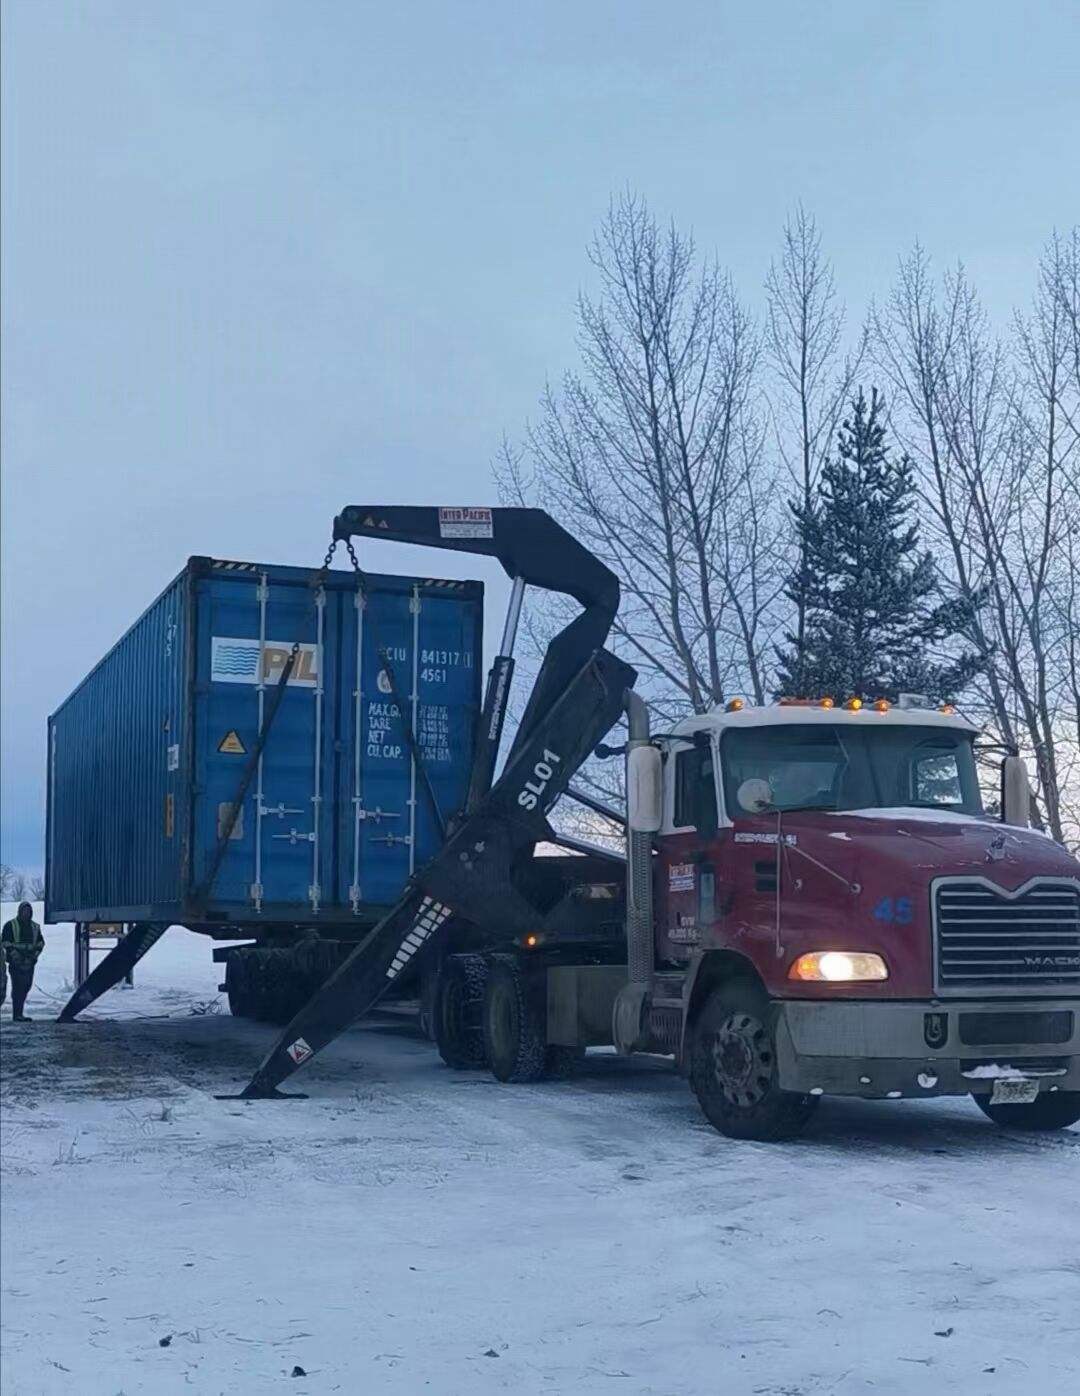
column 22, row 943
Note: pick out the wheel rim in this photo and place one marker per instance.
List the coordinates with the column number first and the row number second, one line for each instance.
column 742, row 1059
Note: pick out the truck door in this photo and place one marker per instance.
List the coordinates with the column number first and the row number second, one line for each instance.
column 687, row 895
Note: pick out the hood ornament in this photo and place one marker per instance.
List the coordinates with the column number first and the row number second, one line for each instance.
column 996, row 850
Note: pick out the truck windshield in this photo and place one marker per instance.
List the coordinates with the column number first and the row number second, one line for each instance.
column 848, row 768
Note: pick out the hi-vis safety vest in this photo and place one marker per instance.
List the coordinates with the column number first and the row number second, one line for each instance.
column 22, row 945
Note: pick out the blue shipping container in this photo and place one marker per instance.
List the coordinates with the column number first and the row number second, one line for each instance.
column 146, row 757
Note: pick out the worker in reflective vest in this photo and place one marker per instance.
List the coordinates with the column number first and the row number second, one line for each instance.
column 22, row 943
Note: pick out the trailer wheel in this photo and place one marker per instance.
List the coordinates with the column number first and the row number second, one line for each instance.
column 514, row 1022
column 458, row 1011
column 238, row 984
column 1049, row 1110
column 733, row 1068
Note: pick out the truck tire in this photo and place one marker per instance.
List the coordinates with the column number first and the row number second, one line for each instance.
column 733, row 1070
column 1049, row 1110
column 515, row 1023
column 458, row 1011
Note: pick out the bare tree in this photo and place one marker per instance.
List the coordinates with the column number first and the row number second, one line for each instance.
column 814, row 378
column 6, row 876
column 654, row 453
column 17, row 884
column 36, row 890
column 985, row 420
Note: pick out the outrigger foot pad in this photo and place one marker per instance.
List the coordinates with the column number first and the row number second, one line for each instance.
column 253, row 1092
column 265, row 1095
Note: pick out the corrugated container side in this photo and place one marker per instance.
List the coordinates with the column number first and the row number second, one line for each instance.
column 116, row 801
column 148, row 755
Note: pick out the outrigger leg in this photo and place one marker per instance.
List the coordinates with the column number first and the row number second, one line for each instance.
column 351, row 990
column 118, row 963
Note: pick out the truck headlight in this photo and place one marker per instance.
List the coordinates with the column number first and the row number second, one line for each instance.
column 838, row 967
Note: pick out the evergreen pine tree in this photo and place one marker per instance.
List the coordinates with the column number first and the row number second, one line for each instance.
column 875, row 616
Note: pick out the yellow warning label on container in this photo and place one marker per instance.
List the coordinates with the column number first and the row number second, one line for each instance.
column 232, row 744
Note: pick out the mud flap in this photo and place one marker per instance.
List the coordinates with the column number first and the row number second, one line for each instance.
column 118, row 963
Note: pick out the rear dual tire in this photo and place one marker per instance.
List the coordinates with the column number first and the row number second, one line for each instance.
column 458, row 1011
column 515, row 1025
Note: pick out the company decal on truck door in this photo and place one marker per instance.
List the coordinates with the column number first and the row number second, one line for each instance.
column 680, row 877
column 236, row 660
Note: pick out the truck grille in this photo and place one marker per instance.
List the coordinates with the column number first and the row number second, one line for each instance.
column 992, row 941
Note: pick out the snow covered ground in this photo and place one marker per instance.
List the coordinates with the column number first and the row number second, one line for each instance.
column 409, row 1229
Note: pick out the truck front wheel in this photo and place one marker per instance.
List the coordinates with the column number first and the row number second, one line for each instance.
column 733, row 1069
column 1049, row 1110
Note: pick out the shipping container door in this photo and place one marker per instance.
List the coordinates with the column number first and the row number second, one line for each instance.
column 413, row 659
column 448, row 673
column 280, row 851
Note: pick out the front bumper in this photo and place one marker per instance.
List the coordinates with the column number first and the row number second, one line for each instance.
column 926, row 1048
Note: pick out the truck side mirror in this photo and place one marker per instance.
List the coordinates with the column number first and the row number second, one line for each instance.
column 1015, row 792
column 644, row 789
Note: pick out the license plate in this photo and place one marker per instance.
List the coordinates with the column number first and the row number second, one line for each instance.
column 1014, row 1092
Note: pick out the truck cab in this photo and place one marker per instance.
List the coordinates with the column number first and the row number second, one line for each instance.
column 836, row 913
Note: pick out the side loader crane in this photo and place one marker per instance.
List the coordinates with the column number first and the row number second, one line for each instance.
column 815, row 900
column 576, row 699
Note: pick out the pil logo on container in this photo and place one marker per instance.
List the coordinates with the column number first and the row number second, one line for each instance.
column 236, row 660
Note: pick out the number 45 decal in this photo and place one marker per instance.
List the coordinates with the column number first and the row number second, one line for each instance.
column 896, row 910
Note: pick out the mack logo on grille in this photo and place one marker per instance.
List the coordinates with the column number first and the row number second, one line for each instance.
column 994, row 940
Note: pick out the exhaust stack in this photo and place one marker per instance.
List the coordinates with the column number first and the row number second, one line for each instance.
column 639, row 891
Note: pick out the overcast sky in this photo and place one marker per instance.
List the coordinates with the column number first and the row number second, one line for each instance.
column 261, row 260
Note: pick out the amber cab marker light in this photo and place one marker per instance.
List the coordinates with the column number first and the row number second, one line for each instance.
column 948, row 709
column 882, row 705
column 531, row 942
column 838, row 967
column 827, row 703
column 853, row 705
column 735, row 705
